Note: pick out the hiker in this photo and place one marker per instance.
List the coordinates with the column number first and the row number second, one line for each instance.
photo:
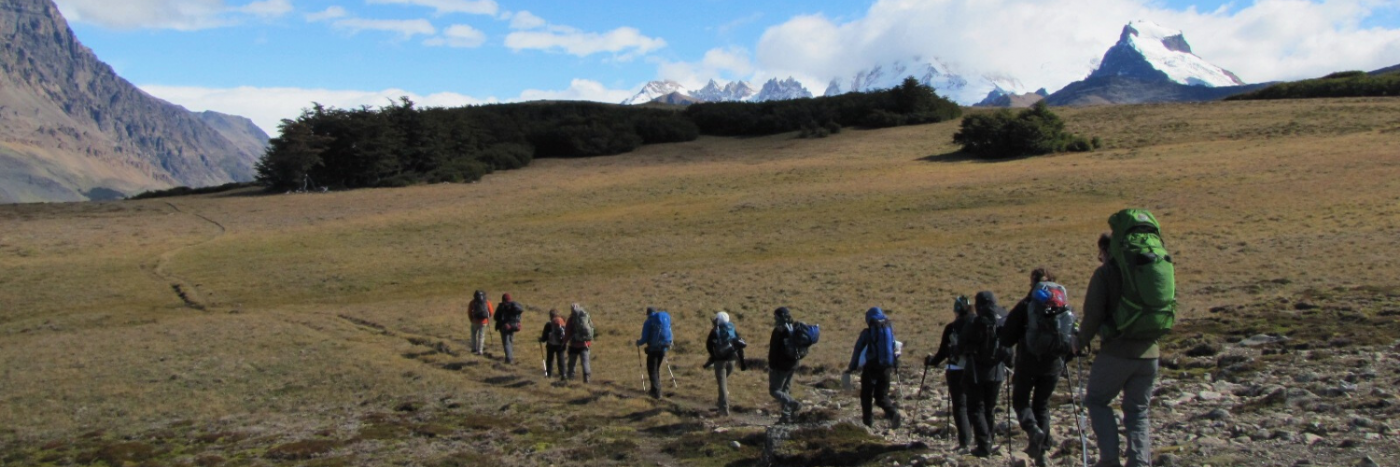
column 553, row 338
column 656, row 335
column 578, row 333
column 985, row 361
column 875, row 353
column 479, row 312
column 508, row 323
column 948, row 350
column 724, row 346
column 1128, row 354
column 1041, row 327
column 787, row 345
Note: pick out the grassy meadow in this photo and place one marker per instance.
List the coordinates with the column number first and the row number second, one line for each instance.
column 247, row 329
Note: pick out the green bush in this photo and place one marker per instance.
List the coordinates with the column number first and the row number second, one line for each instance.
column 1032, row 131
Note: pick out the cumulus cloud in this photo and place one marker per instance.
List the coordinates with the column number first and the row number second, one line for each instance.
column 268, row 8
column 404, row 27
column 525, row 20
column 730, row 63
column 1049, row 43
column 442, row 7
column 579, row 90
column 625, row 42
column 327, row 14
column 181, row 15
column 458, row 35
column 266, row 107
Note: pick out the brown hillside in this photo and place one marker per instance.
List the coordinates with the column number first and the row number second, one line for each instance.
column 72, row 126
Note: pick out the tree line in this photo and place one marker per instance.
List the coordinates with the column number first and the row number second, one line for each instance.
column 1340, row 84
column 401, row 144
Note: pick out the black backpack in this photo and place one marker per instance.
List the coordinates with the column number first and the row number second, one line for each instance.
column 479, row 311
column 1049, row 322
column 555, row 336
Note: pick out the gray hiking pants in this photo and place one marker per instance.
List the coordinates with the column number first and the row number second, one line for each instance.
column 779, row 386
column 508, row 341
column 722, row 371
column 478, row 338
column 574, row 356
column 1134, row 378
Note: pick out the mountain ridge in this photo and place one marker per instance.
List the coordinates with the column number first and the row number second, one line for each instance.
column 72, row 126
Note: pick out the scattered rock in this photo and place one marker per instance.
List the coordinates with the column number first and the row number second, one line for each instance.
column 1202, row 350
column 1367, row 462
column 1310, row 439
column 1262, row 339
column 1216, row 414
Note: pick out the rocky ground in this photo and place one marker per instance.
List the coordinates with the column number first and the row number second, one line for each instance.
column 1301, row 381
column 1284, row 382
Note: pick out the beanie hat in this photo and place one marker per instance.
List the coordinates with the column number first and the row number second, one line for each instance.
column 721, row 317
column 651, row 310
column 505, row 297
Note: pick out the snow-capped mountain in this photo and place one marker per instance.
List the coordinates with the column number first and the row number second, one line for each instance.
column 1151, row 63
column 1146, row 50
column 655, row 89
column 775, row 90
column 960, row 88
column 734, row 91
column 740, row 91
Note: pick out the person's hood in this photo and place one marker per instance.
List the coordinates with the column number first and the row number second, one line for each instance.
column 874, row 314
column 986, row 304
column 782, row 315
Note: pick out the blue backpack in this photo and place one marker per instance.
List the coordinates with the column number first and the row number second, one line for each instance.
column 724, row 340
column 660, row 323
column 881, row 344
column 803, row 336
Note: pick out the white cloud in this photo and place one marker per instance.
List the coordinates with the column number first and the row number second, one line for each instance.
column 268, row 8
column 731, row 63
column 404, row 27
column 579, row 90
column 625, row 42
column 266, row 107
column 458, row 35
column 1053, row 42
column 181, row 15
column 442, row 7
column 327, row 14
column 525, row 20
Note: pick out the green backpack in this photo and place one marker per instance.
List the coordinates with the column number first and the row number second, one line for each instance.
column 1147, row 309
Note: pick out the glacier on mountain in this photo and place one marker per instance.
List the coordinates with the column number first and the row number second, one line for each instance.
column 1147, row 50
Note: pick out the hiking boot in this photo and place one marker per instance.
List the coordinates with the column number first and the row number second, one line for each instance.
column 981, row 452
column 896, row 419
column 1036, row 446
column 586, row 377
column 724, row 411
column 1040, row 460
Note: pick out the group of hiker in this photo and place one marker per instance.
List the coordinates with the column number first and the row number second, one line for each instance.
column 1129, row 304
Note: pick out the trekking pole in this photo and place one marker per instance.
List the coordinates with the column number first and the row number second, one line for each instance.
column 544, row 360
column 1009, row 376
column 1078, row 425
column 673, row 375
column 920, row 392
column 642, row 364
column 1079, row 408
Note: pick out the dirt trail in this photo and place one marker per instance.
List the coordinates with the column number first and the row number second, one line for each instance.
column 159, row 270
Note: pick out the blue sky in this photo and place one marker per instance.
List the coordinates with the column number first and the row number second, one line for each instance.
column 267, row 59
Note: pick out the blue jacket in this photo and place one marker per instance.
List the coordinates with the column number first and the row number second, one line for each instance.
column 865, row 352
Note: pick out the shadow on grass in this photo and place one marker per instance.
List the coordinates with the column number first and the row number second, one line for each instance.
column 962, row 156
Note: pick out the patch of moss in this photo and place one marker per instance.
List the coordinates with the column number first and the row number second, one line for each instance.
column 715, row 449
column 119, row 453
column 301, row 450
column 842, row 444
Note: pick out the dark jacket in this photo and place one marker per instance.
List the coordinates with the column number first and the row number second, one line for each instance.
column 778, row 358
column 508, row 312
column 549, row 326
column 1013, row 334
column 710, row 349
column 945, row 347
column 1099, row 303
column 975, row 335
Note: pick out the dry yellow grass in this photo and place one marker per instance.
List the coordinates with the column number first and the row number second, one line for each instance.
column 1256, row 198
